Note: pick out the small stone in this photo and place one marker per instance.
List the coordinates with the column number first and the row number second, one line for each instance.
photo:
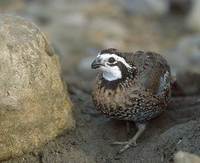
column 184, row 157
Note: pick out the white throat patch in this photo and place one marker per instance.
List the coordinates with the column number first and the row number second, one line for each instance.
column 113, row 73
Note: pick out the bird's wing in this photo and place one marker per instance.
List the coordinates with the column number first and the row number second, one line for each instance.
column 153, row 71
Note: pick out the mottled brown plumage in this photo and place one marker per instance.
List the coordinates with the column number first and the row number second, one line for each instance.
column 141, row 94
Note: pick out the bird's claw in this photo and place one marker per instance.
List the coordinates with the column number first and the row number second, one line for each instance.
column 127, row 144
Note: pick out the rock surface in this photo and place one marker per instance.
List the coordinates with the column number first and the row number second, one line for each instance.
column 34, row 106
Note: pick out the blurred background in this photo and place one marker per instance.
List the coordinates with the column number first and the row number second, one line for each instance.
column 78, row 29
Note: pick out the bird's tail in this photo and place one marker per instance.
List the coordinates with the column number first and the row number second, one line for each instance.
column 176, row 89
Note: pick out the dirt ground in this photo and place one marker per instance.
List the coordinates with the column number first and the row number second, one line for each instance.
column 90, row 142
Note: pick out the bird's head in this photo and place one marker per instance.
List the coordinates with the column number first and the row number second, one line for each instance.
column 112, row 64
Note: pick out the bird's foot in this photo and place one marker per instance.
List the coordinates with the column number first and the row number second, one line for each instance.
column 132, row 141
column 127, row 144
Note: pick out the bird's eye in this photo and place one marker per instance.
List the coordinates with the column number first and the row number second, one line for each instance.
column 111, row 60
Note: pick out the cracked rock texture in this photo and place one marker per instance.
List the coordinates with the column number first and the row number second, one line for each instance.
column 34, row 106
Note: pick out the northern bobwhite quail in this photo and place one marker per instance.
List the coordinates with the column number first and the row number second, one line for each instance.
column 132, row 87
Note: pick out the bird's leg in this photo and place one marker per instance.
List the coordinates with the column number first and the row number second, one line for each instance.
column 132, row 142
column 128, row 127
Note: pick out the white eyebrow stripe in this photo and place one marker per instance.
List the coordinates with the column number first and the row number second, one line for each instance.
column 118, row 58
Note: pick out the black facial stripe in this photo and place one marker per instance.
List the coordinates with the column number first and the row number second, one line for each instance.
column 113, row 64
column 121, row 66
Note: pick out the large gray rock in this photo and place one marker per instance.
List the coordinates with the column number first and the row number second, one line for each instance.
column 185, row 63
column 192, row 20
column 34, row 106
column 186, row 55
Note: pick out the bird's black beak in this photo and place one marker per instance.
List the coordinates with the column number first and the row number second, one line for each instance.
column 96, row 63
